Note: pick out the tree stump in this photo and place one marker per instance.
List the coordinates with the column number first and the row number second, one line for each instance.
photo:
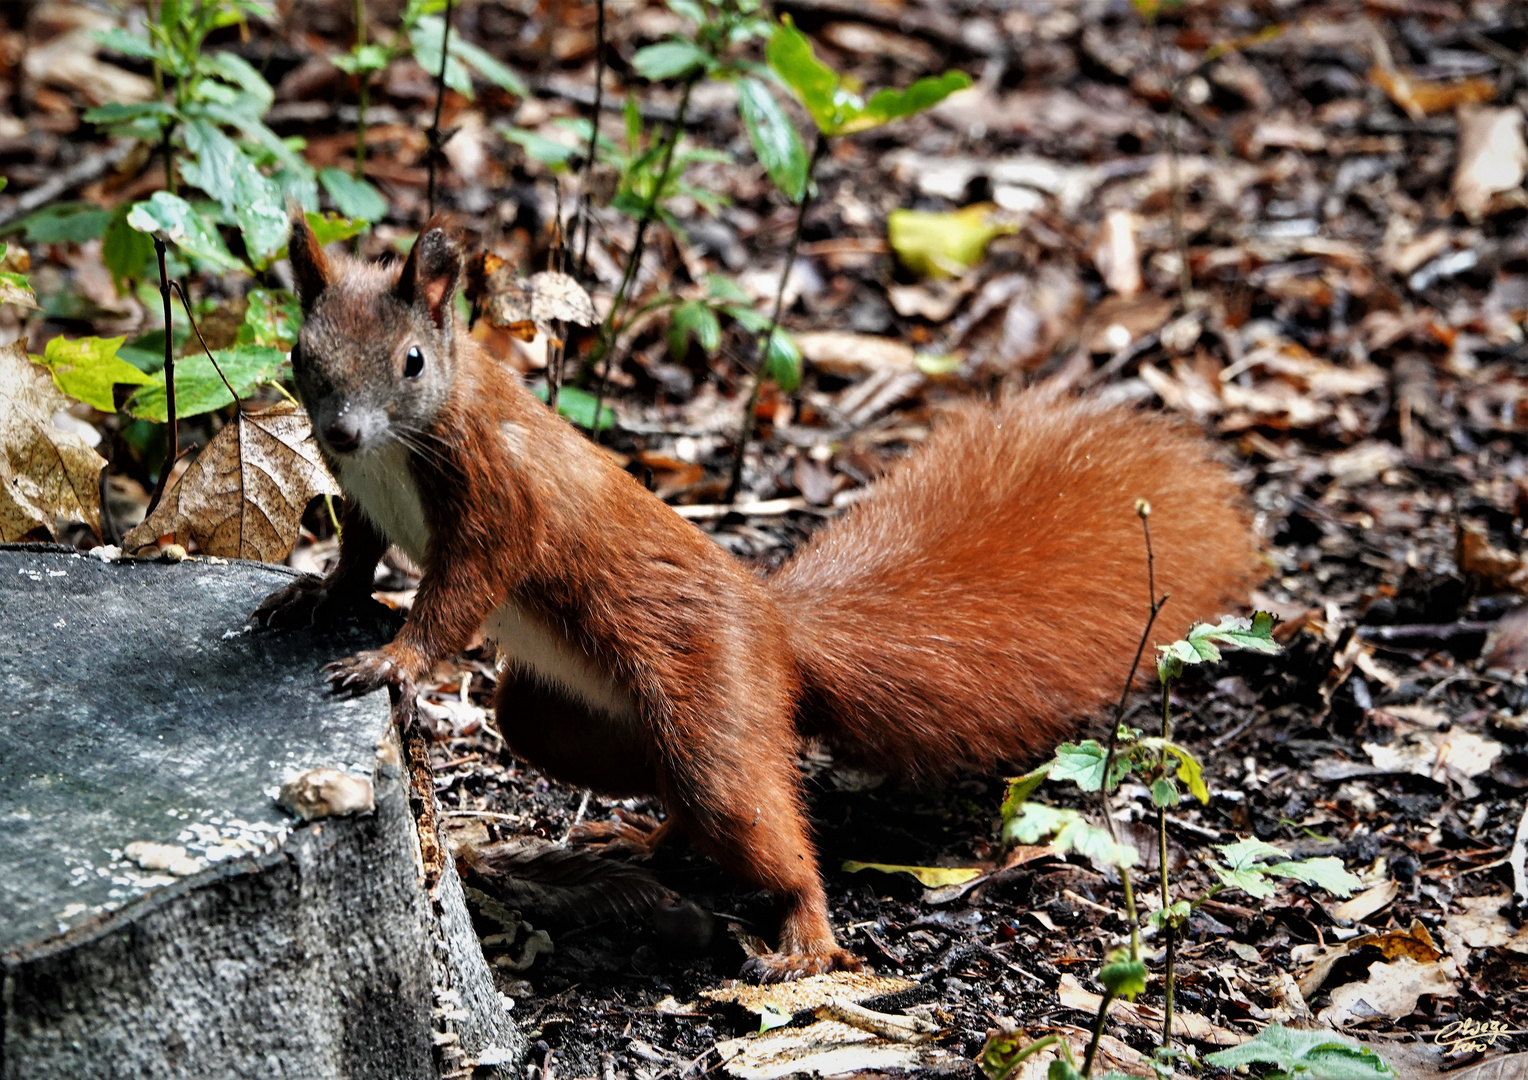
column 160, row 914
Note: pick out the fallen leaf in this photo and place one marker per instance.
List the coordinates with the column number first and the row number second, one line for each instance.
column 933, row 244
column 1456, row 754
column 1421, row 98
column 1366, row 903
column 1073, row 995
column 46, row 472
column 1482, row 925
column 825, row 1048
column 1391, row 991
column 1506, row 646
column 244, row 495
column 1492, row 157
column 1117, row 254
column 839, row 352
column 810, row 993
column 931, row 877
column 524, row 306
column 1413, row 943
column 1499, row 570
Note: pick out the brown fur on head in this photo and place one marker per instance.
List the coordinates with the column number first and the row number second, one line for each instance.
column 374, row 361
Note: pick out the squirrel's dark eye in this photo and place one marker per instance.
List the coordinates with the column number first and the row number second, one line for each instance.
column 413, row 363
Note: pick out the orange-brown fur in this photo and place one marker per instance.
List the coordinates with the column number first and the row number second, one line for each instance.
column 982, row 598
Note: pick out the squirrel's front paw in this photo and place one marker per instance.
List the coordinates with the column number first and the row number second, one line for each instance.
column 365, row 672
column 305, row 601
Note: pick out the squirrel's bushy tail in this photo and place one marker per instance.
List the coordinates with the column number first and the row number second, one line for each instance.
column 990, row 592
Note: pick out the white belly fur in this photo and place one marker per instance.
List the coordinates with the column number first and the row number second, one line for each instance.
column 537, row 648
column 383, row 487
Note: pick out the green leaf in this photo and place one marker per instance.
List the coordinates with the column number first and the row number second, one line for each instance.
column 88, row 368
column 328, row 227
column 271, row 320
column 834, row 108
column 233, row 68
column 148, row 115
column 1199, row 645
column 816, row 85
column 1069, row 831
column 887, row 105
column 1316, row 1054
column 487, row 66
column 426, row 37
column 353, row 198
column 1061, row 1069
column 197, row 386
column 247, row 195
column 364, row 59
column 774, row 138
column 121, row 41
column 693, row 319
column 724, row 288
column 547, row 151
column 1327, row 873
column 671, row 59
column 1164, row 793
column 1083, row 764
column 65, row 223
column 782, row 361
column 1123, row 977
column 936, row 244
column 771, row 1018
column 1189, row 769
column 689, row 9
column 1020, row 788
column 577, row 406
column 125, row 250
column 184, row 227
column 1177, row 915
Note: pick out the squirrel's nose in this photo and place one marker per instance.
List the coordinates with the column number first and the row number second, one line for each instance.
column 343, row 434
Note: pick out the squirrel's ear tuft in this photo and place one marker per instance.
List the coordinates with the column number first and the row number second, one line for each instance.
column 310, row 266
column 429, row 277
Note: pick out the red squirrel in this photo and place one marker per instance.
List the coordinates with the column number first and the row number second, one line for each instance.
column 983, row 597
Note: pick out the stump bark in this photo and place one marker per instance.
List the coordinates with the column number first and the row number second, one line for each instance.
column 160, row 914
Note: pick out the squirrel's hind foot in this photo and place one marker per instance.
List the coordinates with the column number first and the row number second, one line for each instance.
column 305, row 601
column 633, row 835
column 787, row 967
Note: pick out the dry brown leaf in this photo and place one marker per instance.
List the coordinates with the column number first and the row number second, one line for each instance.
column 1421, row 98
column 1506, row 645
column 1456, row 755
column 1073, row 995
column 840, row 352
column 1483, row 926
column 1117, row 254
column 810, row 993
column 47, row 472
column 1492, row 157
column 1413, row 943
column 1366, row 903
column 1499, row 570
column 1391, row 991
column 825, row 1048
column 244, row 495
column 524, row 306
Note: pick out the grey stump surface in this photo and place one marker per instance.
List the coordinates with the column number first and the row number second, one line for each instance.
column 136, row 708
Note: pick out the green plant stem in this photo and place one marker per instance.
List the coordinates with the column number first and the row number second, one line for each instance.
column 745, row 429
column 440, row 98
column 1167, row 924
column 1143, row 511
column 604, row 346
column 1098, row 1032
column 173, row 436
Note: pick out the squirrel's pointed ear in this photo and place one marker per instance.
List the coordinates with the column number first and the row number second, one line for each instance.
column 430, row 275
column 310, row 266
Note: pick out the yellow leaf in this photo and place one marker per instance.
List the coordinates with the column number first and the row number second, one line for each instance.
column 931, row 877
column 943, row 245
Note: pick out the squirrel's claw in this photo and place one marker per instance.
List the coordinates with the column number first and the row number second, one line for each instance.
column 364, row 672
column 788, row 967
column 295, row 604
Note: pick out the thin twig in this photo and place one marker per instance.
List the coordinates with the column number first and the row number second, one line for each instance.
column 585, row 201
column 745, row 430
column 440, row 96
column 173, row 436
column 186, row 304
column 604, row 347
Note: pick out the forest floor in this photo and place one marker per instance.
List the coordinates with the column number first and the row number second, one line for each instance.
column 1328, row 182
